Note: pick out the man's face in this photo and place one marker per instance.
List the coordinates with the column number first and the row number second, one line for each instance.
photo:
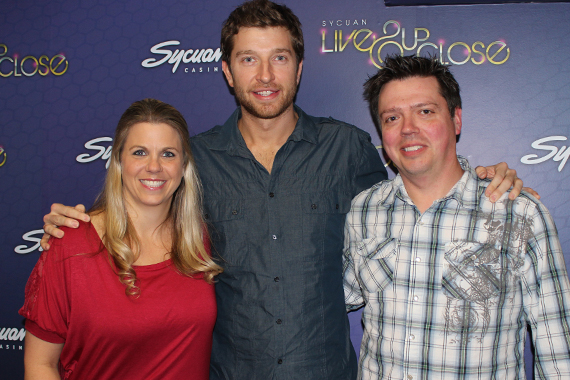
column 264, row 71
column 418, row 132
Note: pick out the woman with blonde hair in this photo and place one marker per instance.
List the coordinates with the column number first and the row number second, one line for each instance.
column 129, row 295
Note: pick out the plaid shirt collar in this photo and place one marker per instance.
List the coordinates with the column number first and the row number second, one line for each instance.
column 466, row 191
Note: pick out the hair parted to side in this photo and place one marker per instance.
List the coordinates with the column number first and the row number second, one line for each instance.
column 261, row 14
column 398, row 68
column 188, row 252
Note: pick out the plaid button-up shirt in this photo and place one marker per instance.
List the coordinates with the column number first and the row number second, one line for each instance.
column 448, row 293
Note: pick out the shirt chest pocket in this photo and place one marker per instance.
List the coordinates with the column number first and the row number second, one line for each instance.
column 377, row 264
column 225, row 224
column 474, row 271
column 323, row 215
column 325, row 203
column 221, row 211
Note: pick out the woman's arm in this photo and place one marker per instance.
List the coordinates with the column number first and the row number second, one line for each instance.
column 41, row 358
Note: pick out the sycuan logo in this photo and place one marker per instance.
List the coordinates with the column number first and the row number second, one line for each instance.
column 7, row 333
column 103, row 152
column 30, row 65
column 178, row 56
column 9, row 337
column 34, row 237
column 555, row 153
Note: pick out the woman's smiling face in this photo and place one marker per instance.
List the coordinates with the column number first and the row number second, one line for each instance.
column 152, row 164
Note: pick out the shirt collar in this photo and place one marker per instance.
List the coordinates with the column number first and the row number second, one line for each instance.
column 467, row 191
column 230, row 139
column 306, row 128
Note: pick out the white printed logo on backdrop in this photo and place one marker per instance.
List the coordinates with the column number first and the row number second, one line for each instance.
column 178, row 56
column 103, row 151
column 555, row 153
column 11, row 338
column 32, row 239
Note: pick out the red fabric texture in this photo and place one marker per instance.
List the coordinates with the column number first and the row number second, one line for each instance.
column 74, row 297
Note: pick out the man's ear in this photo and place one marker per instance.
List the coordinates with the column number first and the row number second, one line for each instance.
column 299, row 71
column 228, row 73
column 457, row 121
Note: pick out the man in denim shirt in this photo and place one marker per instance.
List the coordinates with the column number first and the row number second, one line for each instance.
column 278, row 184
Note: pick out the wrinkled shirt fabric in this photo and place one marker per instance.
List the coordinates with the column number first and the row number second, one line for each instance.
column 448, row 293
column 279, row 236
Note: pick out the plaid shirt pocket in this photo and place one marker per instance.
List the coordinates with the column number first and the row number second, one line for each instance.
column 377, row 263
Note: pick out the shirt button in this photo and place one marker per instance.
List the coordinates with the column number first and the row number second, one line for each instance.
column 279, row 361
column 274, row 237
column 234, row 212
column 410, row 377
column 271, row 195
column 416, row 298
column 276, row 279
column 412, row 337
column 474, row 257
column 314, row 206
column 418, row 259
column 278, row 321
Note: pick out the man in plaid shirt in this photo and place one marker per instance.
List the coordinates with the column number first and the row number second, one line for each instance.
column 448, row 279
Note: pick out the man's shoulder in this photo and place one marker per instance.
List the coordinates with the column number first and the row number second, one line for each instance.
column 525, row 211
column 206, row 136
column 381, row 193
column 328, row 124
column 524, row 203
column 473, row 196
column 214, row 139
column 333, row 134
column 218, row 136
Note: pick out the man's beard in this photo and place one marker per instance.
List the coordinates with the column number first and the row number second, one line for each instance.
column 265, row 111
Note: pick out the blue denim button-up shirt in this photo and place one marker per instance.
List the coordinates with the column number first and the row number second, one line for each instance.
column 281, row 312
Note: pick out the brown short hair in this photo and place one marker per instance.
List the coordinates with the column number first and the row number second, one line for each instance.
column 398, row 68
column 261, row 14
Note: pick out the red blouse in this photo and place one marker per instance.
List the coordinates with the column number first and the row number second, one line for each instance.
column 74, row 297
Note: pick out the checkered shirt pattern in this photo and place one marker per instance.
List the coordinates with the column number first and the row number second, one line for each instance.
column 448, row 294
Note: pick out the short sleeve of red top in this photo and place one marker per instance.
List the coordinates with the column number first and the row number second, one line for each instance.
column 74, row 297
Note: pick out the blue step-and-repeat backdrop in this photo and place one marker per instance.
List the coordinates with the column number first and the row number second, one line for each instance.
column 68, row 69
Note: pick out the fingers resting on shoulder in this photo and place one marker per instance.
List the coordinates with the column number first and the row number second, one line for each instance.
column 61, row 215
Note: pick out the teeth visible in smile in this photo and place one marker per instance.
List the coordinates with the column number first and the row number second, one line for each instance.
column 412, row 148
column 264, row 93
column 152, row 183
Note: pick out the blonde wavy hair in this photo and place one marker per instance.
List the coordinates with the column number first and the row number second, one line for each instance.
column 188, row 252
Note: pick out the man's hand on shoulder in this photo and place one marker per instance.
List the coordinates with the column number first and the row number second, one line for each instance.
column 61, row 215
column 503, row 178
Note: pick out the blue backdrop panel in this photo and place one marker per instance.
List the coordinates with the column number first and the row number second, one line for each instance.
column 69, row 69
